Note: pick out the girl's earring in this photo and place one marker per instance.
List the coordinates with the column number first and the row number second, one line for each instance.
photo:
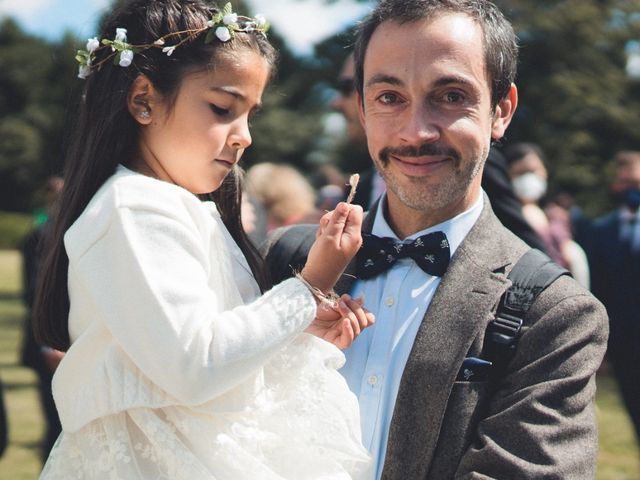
column 145, row 114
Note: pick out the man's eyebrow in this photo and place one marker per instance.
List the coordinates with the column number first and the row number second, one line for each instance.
column 384, row 78
column 455, row 79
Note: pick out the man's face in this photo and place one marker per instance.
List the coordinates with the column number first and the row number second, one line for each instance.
column 346, row 100
column 427, row 111
column 627, row 175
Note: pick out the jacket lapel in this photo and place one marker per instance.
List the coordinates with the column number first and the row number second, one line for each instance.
column 461, row 308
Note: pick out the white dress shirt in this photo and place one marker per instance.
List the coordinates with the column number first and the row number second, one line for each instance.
column 399, row 299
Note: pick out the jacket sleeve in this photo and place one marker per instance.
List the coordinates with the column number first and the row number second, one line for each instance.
column 540, row 422
column 286, row 249
column 153, row 285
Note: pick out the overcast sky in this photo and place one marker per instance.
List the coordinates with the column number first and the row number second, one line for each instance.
column 301, row 22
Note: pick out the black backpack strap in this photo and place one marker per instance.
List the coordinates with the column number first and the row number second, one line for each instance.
column 533, row 272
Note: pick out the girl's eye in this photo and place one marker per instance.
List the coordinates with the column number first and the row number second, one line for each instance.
column 218, row 110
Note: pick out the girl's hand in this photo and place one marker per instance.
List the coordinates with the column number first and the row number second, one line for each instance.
column 342, row 324
column 337, row 241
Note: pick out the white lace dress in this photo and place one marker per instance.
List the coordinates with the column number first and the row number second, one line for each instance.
column 278, row 410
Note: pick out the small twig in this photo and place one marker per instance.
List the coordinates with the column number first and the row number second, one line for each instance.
column 353, row 181
column 331, row 298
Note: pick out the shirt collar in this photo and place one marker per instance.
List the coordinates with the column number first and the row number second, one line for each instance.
column 456, row 228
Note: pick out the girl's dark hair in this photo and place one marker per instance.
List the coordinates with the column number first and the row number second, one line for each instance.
column 106, row 134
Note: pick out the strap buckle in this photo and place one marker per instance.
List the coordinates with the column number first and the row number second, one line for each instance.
column 504, row 331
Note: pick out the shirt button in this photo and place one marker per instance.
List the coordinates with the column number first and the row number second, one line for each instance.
column 388, row 301
column 372, row 380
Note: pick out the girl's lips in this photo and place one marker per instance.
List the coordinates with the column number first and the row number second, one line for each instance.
column 415, row 168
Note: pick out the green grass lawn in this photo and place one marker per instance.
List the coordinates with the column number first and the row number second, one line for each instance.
column 619, row 457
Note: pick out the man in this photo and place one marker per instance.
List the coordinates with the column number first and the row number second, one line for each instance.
column 495, row 181
column 613, row 249
column 435, row 79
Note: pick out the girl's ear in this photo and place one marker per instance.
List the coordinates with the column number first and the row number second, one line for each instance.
column 141, row 99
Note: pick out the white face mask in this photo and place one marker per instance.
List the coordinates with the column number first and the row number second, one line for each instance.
column 529, row 187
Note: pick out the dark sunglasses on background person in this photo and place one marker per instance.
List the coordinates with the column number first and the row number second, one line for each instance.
column 345, row 86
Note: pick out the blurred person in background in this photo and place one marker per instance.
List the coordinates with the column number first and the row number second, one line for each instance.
column 371, row 185
column 529, row 178
column 42, row 359
column 285, row 194
column 329, row 183
column 4, row 427
column 613, row 247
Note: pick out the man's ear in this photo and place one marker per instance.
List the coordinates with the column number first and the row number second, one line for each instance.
column 141, row 99
column 504, row 113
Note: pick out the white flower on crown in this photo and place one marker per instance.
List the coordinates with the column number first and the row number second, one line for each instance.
column 260, row 20
column 169, row 50
column 84, row 71
column 126, row 57
column 230, row 18
column 223, row 34
column 93, row 44
column 121, row 34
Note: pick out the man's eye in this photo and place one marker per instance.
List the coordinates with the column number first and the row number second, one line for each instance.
column 388, row 98
column 453, row 97
column 218, row 110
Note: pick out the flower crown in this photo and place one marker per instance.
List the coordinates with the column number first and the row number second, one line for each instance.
column 223, row 25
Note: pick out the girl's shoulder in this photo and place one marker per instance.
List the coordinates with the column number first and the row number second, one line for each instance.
column 135, row 195
column 132, row 190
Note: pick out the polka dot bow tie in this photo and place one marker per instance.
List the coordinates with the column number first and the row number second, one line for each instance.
column 430, row 252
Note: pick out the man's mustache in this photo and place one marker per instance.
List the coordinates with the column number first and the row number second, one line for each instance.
column 426, row 149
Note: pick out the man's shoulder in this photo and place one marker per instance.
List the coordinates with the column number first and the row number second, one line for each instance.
column 285, row 250
column 290, row 238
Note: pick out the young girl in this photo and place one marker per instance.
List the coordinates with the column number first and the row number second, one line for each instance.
column 177, row 367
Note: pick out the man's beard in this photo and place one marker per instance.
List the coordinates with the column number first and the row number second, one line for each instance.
column 416, row 192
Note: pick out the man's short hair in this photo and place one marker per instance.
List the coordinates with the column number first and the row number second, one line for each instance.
column 500, row 46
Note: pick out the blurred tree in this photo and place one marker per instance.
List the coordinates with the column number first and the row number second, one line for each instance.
column 576, row 99
column 34, row 79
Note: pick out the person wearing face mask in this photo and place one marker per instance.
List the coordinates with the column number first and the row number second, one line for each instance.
column 529, row 179
column 613, row 247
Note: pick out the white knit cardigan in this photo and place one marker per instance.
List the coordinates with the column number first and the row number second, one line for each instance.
column 156, row 317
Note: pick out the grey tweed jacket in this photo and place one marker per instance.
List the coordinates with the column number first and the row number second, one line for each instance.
column 538, row 420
